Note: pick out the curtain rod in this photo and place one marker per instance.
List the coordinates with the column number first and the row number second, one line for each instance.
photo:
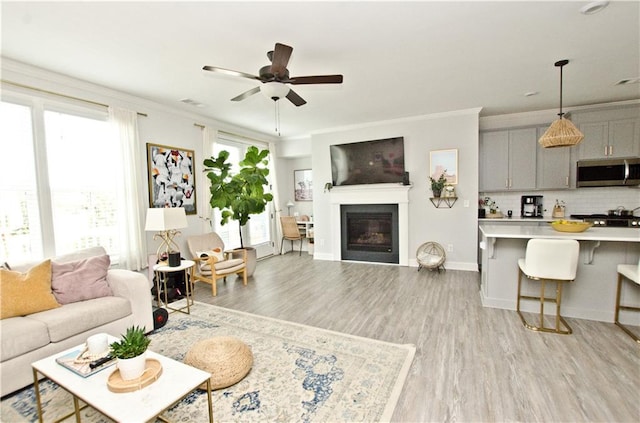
column 15, row 84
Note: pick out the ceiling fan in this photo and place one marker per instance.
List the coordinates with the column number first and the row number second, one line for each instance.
column 276, row 75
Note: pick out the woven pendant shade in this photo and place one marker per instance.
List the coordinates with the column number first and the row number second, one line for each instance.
column 561, row 133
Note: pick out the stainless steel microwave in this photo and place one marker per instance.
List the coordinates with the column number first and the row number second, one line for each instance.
column 608, row 172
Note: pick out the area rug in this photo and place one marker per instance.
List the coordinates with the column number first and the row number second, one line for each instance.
column 300, row 374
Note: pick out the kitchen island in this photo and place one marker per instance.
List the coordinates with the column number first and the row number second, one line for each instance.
column 592, row 294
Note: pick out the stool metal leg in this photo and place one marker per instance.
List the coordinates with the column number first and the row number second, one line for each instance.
column 542, row 299
column 623, row 307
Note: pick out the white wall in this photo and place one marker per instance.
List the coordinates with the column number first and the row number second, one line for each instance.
column 285, row 168
column 455, row 227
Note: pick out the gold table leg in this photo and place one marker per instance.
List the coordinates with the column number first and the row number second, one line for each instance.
column 36, row 388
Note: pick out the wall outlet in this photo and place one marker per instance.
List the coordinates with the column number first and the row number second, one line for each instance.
column 450, row 248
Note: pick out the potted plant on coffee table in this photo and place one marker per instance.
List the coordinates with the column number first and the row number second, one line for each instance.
column 131, row 352
column 239, row 195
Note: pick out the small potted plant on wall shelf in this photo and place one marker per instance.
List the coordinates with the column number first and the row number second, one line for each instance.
column 438, row 184
column 131, row 353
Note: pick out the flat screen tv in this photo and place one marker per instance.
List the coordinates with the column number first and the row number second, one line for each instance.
column 368, row 162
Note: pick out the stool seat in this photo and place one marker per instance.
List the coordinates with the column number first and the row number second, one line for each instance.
column 548, row 260
column 631, row 273
column 228, row 359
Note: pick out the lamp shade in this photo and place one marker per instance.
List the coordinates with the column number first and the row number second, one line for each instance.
column 274, row 90
column 165, row 218
column 290, row 204
column 561, row 133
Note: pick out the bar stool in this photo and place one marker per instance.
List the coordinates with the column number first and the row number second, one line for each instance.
column 630, row 272
column 553, row 260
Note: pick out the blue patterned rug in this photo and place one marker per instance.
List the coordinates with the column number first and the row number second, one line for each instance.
column 299, row 374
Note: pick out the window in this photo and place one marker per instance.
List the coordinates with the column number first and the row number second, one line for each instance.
column 258, row 230
column 58, row 190
column 82, row 162
column 19, row 213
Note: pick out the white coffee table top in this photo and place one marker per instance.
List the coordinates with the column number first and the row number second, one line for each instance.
column 176, row 381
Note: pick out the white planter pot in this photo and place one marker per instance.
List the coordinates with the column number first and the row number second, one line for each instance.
column 132, row 368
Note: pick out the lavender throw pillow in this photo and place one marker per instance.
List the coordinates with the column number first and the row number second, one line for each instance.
column 80, row 280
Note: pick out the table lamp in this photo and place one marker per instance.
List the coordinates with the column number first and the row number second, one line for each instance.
column 289, row 205
column 166, row 221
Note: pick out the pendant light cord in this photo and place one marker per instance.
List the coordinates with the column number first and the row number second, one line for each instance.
column 277, row 115
column 560, row 64
column 561, row 114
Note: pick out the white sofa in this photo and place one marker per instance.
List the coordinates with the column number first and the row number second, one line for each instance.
column 26, row 339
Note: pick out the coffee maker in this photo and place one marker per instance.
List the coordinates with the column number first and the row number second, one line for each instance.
column 531, row 206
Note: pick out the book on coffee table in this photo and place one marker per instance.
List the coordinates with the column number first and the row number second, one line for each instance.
column 81, row 367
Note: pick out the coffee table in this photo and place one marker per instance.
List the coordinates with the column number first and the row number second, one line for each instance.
column 176, row 381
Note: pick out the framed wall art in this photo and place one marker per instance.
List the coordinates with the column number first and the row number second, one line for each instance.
column 171, row 177
column 444, row 161
column 303, row 185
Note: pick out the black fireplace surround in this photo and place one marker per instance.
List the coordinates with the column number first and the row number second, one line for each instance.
column 369, row 232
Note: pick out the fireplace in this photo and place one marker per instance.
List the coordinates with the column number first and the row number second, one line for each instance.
column 370, row 232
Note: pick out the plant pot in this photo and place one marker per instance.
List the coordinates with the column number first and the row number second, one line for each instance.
column 436, row 193
column 132, row 368
column 252, row 260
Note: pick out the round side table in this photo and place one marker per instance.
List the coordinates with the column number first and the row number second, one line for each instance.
column 161, row 271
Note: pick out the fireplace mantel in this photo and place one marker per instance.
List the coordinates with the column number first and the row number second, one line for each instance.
column 372, row 194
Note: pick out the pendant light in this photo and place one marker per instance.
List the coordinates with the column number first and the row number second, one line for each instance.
column 562, row 132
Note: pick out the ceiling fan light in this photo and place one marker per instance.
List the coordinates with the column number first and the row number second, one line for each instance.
column 274, row 90
column 561, row 133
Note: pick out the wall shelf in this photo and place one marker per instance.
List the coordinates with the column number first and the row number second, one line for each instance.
column 448, row 201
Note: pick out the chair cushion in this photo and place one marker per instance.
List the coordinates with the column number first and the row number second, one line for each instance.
column 223, row 267
column 25, row 293
column 217, row 253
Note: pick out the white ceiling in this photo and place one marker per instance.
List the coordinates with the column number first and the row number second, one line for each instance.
column 398, row 59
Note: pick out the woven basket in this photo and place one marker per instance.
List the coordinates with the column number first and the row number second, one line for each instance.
column 227, row 359
column 561, row 133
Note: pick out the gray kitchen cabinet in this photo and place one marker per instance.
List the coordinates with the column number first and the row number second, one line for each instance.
column 609, row 134
column 508, row 159
column 553, row 166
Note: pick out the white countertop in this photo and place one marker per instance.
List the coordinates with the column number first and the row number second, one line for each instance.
column 529, row 232
column 506, row 219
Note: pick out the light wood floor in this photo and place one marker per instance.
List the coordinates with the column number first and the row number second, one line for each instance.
column 472, row 364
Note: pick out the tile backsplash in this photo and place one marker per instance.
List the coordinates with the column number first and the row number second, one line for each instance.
column 577, row 201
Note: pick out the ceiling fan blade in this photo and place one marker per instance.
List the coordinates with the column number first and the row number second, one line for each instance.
column 280, row 59
column 295, row 98
column 230, row 72
column 318, row 79
column 246, row 94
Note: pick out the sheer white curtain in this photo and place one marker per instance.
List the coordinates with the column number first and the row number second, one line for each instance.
column 131, row 195
column 209, row 136
column 273, row 152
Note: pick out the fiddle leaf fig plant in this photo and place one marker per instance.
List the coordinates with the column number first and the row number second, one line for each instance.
column 239, row 195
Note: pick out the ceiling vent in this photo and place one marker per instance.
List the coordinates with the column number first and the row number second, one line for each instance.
column 191, row 102
column 628, row 81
